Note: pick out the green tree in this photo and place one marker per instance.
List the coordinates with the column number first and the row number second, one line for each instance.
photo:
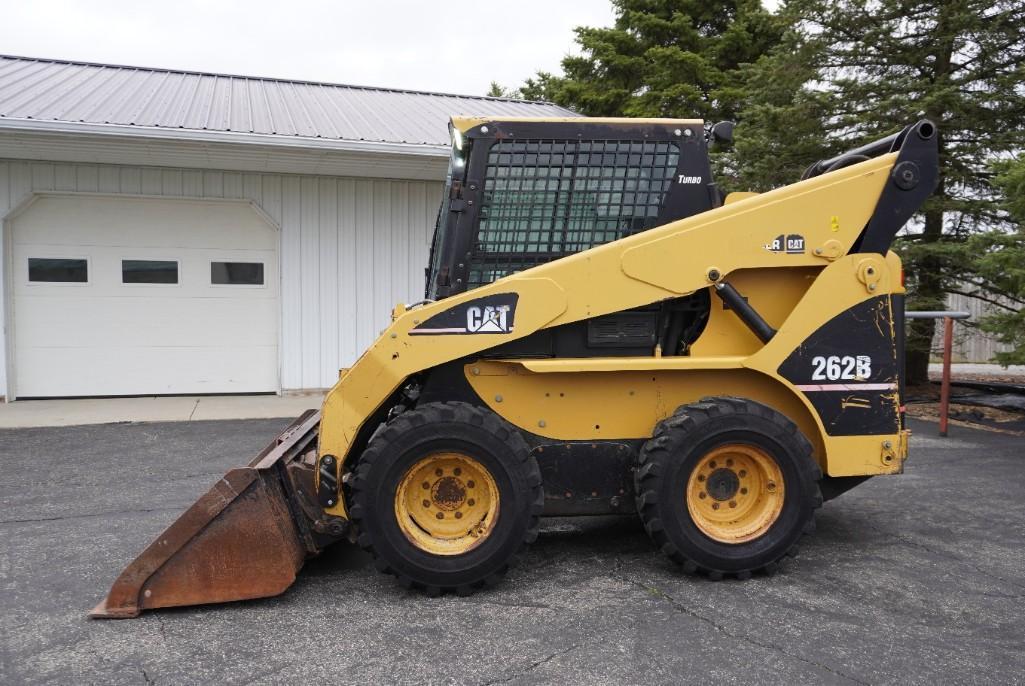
column 999, row 266
column 669, row 58
column 495, row 90
column 871, row 67
column 782, row 122
column 540, row 87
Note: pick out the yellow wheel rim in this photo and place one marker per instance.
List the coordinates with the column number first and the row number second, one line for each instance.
column 735, row 493
column 447, row 504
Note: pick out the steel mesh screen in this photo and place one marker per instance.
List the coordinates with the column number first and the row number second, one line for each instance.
column 543, row 199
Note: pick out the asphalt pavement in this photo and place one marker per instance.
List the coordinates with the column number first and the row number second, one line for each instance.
column 918, row 578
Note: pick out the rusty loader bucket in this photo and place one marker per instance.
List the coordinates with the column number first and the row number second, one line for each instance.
column 245, row 538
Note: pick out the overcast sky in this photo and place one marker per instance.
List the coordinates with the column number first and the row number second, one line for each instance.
column 455, row 47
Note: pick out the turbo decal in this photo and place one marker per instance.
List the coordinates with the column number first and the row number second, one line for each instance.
column 494, row 314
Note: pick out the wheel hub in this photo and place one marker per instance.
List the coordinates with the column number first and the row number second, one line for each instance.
column 735, row 493
column 448, row 493
column 447, row 503
column 723, row 484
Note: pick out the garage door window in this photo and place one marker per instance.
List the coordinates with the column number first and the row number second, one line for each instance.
column 236, row 273
column 149, row 271
column 57, row 270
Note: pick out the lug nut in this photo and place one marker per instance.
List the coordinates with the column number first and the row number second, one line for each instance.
column 459, row 515
column 715, row 506
column 701, row 477
column 438, row 472
column 701, row 495
column 440, row 515
column 471, row 502
column 427, row 503
column 733, row 503
column 457, row 471
column 425, row 485
column 469, row 484
column 743, row 491
column 711, row 465
column 729, row 462
column 771, row 486
column 743, row 473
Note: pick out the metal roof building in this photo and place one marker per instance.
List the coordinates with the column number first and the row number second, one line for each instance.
column 184, row 232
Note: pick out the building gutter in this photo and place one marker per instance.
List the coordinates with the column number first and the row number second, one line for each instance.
column 230, row 137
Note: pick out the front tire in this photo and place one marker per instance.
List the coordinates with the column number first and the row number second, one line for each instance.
column 727, row 486
column 446, row 498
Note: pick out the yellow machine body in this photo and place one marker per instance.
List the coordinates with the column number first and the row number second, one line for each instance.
column 616, row 397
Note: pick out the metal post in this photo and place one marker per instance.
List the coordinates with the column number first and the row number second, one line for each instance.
column 948, row 318
column 948, row 337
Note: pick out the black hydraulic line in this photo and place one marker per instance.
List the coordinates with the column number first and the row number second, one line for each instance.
column 759, row 327
column 864, row 152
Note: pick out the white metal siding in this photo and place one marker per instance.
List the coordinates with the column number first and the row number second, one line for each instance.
column 970, row 344
column 350, row 248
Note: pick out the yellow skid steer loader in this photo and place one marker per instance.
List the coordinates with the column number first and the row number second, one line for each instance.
column 603, row 332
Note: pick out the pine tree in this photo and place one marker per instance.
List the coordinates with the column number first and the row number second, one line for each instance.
column 669, row 58
column 999, row 266
column 875, row 66
column 495, row 90
column 541, row 86
column 782, row 123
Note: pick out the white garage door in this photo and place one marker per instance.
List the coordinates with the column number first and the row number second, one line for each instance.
column 140, row 296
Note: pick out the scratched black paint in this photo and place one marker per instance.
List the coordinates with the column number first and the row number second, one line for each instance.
column 865, row 329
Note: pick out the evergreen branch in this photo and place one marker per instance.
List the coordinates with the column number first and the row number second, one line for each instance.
column 978, row 296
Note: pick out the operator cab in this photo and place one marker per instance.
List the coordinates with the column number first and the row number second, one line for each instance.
column 522, row 192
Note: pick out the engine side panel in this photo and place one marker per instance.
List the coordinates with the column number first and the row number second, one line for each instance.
column 619, row 405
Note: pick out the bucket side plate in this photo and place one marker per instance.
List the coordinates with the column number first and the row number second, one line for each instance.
column 239, row 541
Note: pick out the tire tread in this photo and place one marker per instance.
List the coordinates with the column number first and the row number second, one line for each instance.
column 671, row 434
column 444, row 412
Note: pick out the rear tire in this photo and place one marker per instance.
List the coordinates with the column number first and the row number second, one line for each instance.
column 446, row 498
column 727, row 486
